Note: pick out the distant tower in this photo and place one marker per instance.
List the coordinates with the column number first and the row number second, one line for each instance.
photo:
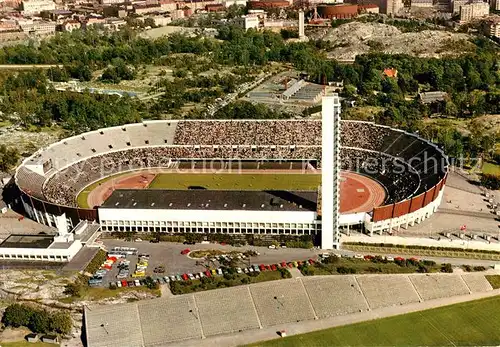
column 301, row 25
column 330, row 171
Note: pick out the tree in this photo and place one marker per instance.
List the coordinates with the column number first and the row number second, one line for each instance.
column 40, row 321
column 17, row 315
column 8, row 157
column 57, row 74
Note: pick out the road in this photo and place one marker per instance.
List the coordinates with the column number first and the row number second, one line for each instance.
column 28, row 66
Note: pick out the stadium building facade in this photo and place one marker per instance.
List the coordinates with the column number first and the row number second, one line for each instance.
column 411, row 170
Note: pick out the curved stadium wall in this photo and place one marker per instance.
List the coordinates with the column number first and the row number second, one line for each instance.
column 50, row 180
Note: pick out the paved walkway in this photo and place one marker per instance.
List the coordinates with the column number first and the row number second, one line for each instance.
column 252, row 336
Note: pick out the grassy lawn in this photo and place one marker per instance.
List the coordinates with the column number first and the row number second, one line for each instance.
column 494, row 280
column 218, row 181
column 101, row 293
column 467, row 324
column 221, row 282
column 490, row 168
column 237, row 181
column 24, row 343
column 81, row 199
column 423, row 251
column 361, row 266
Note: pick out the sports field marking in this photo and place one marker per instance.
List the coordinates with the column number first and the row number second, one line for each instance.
column 227, row 181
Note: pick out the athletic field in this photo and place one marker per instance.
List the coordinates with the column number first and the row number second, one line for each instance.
column 474, row 323
column 247, row 181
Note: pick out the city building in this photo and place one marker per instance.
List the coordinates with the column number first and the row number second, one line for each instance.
column 71, row 25
column 491, row 26
column 247, row 22
column 30, row 7
column 456, row 4
column 421, row 3
column 474, row 10
column 369, row 8
column 228, row 3
column 391, row 7
column 41, row 28
column 342, row 11
column 495, row 5
column 61, row 247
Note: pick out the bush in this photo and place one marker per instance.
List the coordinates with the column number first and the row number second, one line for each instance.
column 479, row 268
column 491, row 181
column 422, row 269
column 61, row 323
column 284, row 273
column 37, row 320
column 17, row 315
column 345, row 270
column 446, row 268
column 40, row 321
column 150, row 283
column 74, row 289
column 428, row 262
column 331, row 260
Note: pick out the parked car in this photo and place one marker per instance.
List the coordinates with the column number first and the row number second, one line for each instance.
column 238, row 270
column 219, row 272
column 273, row 267
column 137, row 283
column 271, row 247
column 185, row 277
column 178, row 277
column 358, row 256
column 185, row 251
column 166, row 279
column 389, row 258
column 159, row 269
column 154, row 241
column 189, row 243
column 208, row 273
column 124, row 283
column 191, row 277
column 250, row 269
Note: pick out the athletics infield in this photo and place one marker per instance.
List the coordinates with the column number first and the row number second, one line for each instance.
column 358, row 193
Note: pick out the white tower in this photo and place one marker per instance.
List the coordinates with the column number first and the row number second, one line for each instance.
column 301, row 25
column 330, row 171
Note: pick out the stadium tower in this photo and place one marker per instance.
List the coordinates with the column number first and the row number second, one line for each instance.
column 330, row 171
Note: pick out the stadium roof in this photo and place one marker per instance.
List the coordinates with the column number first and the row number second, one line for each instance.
column 201, row 199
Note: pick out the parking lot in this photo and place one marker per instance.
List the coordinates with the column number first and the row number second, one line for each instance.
column 169, row 256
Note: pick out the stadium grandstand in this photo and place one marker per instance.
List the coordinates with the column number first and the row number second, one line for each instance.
column 411, row 170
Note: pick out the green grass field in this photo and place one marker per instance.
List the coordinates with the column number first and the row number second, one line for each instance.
column 490, row 168
column 223, row 181
column 472, row 323
column 237, row 181
column 81, row 199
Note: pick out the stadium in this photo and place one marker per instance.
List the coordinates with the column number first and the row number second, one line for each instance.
column 237, row 177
